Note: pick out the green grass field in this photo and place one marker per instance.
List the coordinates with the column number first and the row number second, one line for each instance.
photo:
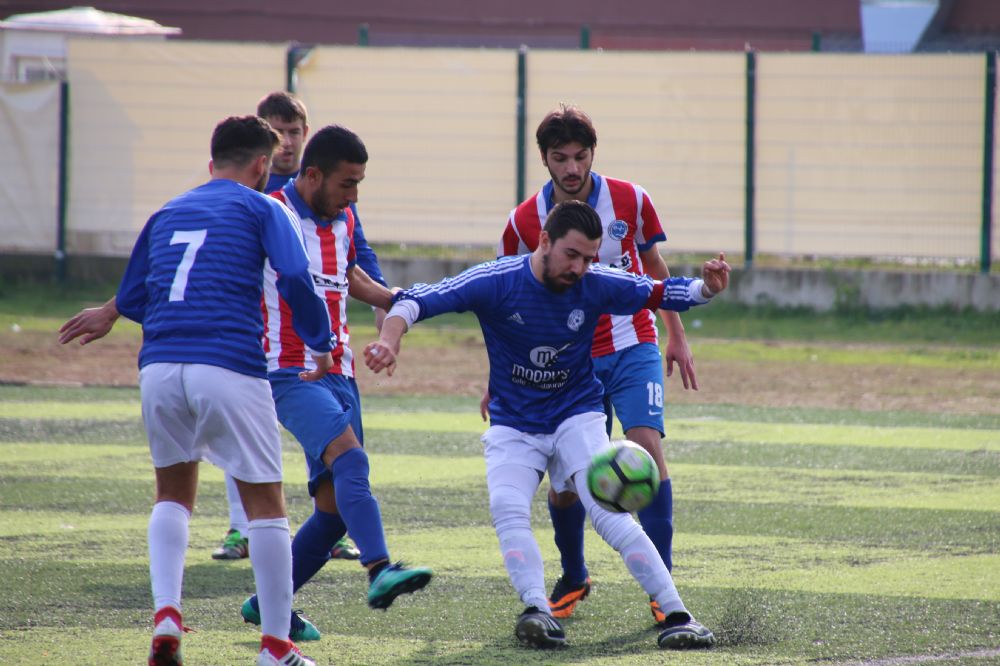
column 803, row 536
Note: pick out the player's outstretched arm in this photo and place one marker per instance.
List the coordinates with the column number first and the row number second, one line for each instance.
column 715, row 273
column 90, row 324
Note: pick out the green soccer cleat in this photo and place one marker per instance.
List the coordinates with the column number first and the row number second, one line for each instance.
column 302, row 630
column 234, row 547
column 394, row 580
column 344, row 550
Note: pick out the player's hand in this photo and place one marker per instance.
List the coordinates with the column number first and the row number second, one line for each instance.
column 380, row 356
column 715, row 273
column 89, row 324
column 484, row 405
column 677, row 350
column 323, row 364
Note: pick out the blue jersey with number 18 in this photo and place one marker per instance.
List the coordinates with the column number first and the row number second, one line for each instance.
column 195, row 278
column 538, row 341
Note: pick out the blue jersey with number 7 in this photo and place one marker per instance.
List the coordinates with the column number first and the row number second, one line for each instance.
column 195, row 276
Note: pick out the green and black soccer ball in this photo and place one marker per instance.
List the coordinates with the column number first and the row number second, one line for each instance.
column 624, row 478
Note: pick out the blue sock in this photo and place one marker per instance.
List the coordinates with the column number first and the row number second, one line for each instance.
column 657, row 520
column 312, row 543
column 568, row 526
column 357, row 506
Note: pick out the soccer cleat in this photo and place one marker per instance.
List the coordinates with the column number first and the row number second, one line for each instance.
column 165, row 649
column 566, row 595
column 394, row 580
column 659, row 617
column 539, row 630
column 344, row 550
column 274, row 652
column 302, row 630
column 234, row 547
column 683, row 632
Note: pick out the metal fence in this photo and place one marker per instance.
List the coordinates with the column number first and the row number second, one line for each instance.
column 791, row 154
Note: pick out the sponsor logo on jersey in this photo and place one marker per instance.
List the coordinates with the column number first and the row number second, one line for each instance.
column 327, row 282
column 623, row 262
column 575, row 320
column 544, row 357
column 540, row 379
column 618, row 230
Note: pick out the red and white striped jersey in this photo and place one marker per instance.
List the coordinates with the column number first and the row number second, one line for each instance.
column 630, row 226
column 330, row 248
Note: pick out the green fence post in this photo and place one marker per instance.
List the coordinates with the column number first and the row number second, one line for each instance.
column 584, row 37
column 749, row 185
column 63, row 184
column 986, row 235
column 522, row 87
column 817, row 41
column 363, row 34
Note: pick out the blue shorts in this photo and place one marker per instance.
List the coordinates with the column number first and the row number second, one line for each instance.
column 633, row 386
column 316, row 413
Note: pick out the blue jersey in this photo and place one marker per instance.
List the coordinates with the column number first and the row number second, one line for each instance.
column 366, row 257
column 194, row 280
column 538, row 341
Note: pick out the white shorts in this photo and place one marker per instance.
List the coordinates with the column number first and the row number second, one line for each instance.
column 562, row 454
column 202, row 412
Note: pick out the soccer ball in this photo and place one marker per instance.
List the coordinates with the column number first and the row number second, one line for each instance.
column 624, row 478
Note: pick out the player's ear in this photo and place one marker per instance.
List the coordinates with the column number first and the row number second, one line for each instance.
column 211, row 167
column 544, row 242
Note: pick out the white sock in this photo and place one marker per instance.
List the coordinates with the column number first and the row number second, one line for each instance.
column 271, row 559
column 511, row 488
column 624, row 534
column 167, row 537
column 237, row 516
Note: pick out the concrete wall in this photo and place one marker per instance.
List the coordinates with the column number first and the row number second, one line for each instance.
column 821, row 290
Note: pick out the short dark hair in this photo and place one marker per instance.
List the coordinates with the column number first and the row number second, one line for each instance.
column 573, row 215
column 332, row 145
column 563, row 125
column 282, row 105
column 238, row 140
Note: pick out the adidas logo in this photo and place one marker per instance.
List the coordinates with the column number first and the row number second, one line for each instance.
column 516, row 318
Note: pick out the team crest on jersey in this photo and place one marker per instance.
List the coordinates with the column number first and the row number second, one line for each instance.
column 575, row 320
column 618, row 230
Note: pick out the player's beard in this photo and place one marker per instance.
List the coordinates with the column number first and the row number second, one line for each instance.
column 321, row 204
column 550, row 281
column 262, row 183
column 571, row 190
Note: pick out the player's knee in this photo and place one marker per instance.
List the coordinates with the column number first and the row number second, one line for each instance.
column 617, row 529
column 509, row 508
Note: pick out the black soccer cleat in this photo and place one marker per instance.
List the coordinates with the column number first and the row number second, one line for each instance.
column 683, row 632
column 539, row 630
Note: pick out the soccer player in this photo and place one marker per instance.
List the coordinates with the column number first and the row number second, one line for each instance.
column 287, row 114
column 626, row 356
column 326, row 417
column 538, row 314
column 194, row 283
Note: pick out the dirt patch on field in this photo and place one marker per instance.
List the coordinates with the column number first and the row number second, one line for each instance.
column 32, row 357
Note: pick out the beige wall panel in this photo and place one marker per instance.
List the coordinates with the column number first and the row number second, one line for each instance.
column 671, row 122
column 869, row 155
column 29, row 166
column 142, row 116
column 440, row 128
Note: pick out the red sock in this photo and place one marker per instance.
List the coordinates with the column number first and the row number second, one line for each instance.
column 165, row 612
column 279, row 648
